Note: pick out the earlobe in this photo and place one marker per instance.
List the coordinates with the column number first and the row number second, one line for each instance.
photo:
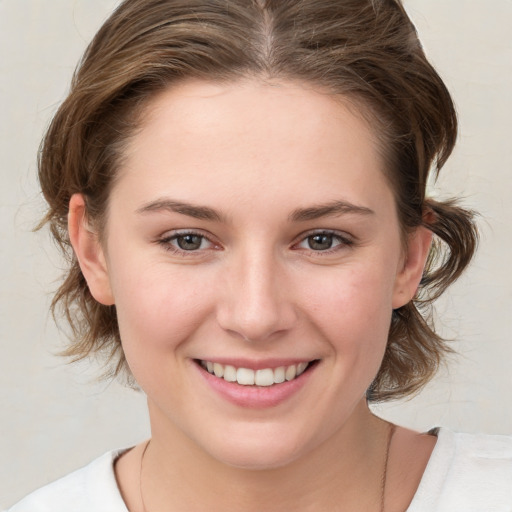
column 89, row 252
column 409, row 276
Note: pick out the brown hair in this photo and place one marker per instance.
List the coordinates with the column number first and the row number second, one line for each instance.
column 364, row 50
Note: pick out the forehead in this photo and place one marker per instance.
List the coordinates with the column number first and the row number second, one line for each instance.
column 253, row 138
column 254, row 111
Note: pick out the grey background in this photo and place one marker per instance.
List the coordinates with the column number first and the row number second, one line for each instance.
column 55, row 417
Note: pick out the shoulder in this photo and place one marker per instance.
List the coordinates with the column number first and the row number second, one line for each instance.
column 92, row 487
column 467, row 472
column 488, row 456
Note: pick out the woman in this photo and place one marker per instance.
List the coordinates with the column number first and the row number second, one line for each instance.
column 242, row 184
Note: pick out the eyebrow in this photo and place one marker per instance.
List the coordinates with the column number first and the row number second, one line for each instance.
column 191, row 210
column 333, row 208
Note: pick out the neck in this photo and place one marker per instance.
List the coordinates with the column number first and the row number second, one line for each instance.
column 345, row 471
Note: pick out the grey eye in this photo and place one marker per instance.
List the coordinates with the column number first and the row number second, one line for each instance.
column 189, row 242
column 320, row 242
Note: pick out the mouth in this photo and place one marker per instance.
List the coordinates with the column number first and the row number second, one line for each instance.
column 263, row 377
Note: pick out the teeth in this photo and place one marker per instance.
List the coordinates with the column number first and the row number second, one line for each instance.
column 218, row 370
column 279, row 375
column 291, row 372
column 230, row 373
column 264, row 377
column 248, row 377
column 245, row 376
column 301, row 367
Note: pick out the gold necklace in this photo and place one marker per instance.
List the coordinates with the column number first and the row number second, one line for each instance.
column 391, row 431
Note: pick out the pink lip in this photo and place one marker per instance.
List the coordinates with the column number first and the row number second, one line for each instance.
column 255, row 397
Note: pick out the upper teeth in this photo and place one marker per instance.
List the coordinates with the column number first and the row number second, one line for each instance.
column 248, row 377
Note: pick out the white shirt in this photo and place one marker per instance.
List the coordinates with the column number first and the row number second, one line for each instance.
column 465, row 473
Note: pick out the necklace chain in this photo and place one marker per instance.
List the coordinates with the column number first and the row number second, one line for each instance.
column 140, row 476
column 391, row 431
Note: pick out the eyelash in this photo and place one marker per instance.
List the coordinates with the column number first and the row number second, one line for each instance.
column 167, row 242
column 344, row 241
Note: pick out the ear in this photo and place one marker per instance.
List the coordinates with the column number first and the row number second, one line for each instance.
column 409, row 276
column 89, row 251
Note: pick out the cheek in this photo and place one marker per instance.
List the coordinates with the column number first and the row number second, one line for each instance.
column 353, row 309
column 158, row 307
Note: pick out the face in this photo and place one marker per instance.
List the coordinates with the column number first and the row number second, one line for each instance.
column 254, row 257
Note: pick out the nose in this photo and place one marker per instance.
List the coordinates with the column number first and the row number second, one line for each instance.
column 256, row 303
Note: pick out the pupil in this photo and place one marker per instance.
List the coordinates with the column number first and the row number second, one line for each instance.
column 189, row 242
column 320, row 242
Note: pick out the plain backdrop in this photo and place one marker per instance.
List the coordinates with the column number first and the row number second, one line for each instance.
column 55, row 417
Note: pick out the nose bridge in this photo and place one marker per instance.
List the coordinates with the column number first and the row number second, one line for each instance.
column 256, row 305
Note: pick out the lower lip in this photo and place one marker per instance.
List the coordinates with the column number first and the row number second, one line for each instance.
column 256, row 397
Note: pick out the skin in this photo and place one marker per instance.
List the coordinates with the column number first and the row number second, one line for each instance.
column 255, row 155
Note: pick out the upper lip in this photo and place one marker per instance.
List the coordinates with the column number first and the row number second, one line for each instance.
column 257, row 364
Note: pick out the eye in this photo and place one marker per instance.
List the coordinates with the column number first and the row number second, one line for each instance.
column 320, row 242
column 324, row 241
column 186, row 242
column 189, row 242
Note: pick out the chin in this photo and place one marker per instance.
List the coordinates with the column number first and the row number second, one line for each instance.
column 257, row 459
column 252, row 452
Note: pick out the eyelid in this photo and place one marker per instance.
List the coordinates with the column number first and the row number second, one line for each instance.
column 345, row 238
column 170, row 235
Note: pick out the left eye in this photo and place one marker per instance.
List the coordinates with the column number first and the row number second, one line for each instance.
column 322, row 241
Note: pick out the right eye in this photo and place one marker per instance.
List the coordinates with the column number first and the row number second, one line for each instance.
column 189, row 242
column 185, row 242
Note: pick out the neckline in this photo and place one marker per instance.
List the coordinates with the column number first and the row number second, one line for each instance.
column 433, row 476
column 435, row 471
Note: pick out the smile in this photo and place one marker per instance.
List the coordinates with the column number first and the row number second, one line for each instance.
column 262, row 377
